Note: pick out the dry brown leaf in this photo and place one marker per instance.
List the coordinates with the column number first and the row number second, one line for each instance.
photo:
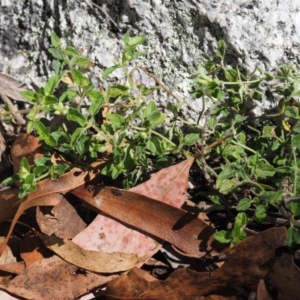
column 249, row 260
column 137, row 285
column 284, row 276
column 8, row 203
column 168, row 185
column 47, row 191
column 109, row 235
column 53, row 278
column 156, row 218
column 61, row 220
column 12, row 87
column 28, row 146
column 32, row 249
column 9, row 257
column 15, row 268
column 262, row 292
column 43, row 200
column 246, row 263
column 99, row 262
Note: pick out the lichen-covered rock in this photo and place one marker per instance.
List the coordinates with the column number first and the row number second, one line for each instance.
column 180, row 35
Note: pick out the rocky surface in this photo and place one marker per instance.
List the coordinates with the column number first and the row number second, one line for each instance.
column 180, row 35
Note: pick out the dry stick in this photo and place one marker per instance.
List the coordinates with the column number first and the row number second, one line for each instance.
column 164, row 87
column 203, row 150
column 287, row 200
column 167, row 90
column 106, row 14
column 17, row 116
column 216, row 143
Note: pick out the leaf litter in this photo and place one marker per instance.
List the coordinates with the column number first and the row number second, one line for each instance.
column 130, row 227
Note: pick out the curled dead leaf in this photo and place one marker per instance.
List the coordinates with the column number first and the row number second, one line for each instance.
column 95, row 261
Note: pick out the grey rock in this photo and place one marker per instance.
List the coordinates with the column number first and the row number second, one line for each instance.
column 180, row 36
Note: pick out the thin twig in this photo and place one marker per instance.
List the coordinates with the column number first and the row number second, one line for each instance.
column 216, row 143
column 165, row 88
column 203, row 149
column 13, row 110
column 106, row 14
column 287, row 200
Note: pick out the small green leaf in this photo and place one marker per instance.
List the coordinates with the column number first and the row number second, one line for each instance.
column 154, row 146
column 284, row 170
column 257, row 95
column 24, row 168
column 68, row 95
column 25, row 189
column 50, row 141
column 296, row 141
column 78, row 77
column 55, row 41
column 223, row 236
column 29, row 127
column 268, row 77
column 57, row 53
column 271, row 196
column 155, row 118
column 212, row 122
column 29, row 95
column 82, row 144
column 117, row 90
column 238, row 233
column 83, row 62
column 126, row 37
column 231, row 75
column 62, row 168
column 116, row 120
column 264, row 171
column 260, row 212
column 11, row 179
column 50, row 100
column 75, row 135
column 109, row 70
column 135, row 41
column 268, row 131
column 51, row 85
column 41, row 129
column 292, row 112
column 40, row 170
column 43, row 160
column 225, row 186
column 97, row 100
column 71, row 51
column 292, row 237
column 241, row 219
column 111, row 170
column 244, row 204
column 295, row 208
column 239, row 118
column 151, row 107
column 221, row 49
column 190, row 139
column 75, row 115
column 215, row 199
column 228, row 171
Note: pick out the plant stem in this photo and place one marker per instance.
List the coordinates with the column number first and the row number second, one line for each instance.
column 295, row 171
column 162, row 137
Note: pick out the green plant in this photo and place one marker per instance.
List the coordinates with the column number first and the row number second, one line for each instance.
column 258, row 164
column 249, row 160
column 131, row 132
